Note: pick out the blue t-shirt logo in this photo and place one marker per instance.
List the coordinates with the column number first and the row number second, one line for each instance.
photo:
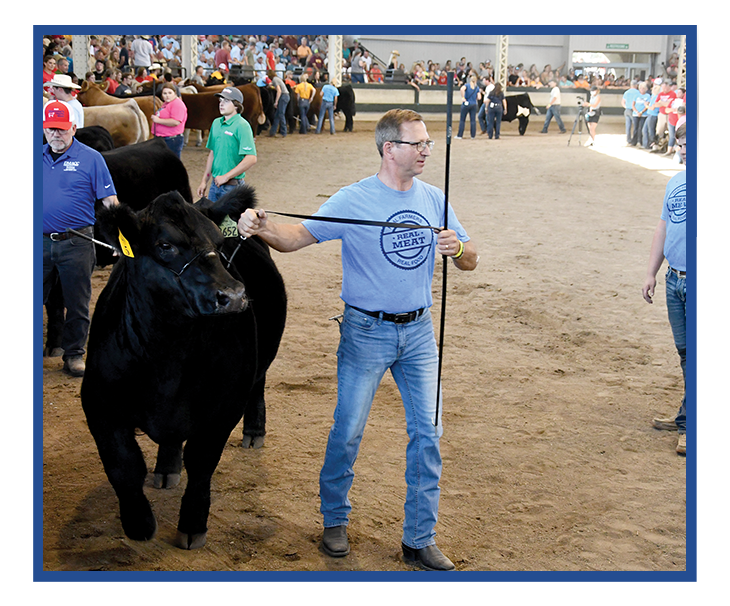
column 677, row 204
column 406, row 248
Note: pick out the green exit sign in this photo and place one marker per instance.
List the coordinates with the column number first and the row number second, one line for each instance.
column 617, row 46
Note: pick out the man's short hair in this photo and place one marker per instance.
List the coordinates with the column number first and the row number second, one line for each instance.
column 681, row 131
column 388, row 127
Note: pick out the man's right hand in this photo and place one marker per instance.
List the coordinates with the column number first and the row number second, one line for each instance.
column 648, row 290
column 251, row 222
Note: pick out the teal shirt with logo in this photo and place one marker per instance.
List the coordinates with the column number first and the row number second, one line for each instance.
column 231, row 139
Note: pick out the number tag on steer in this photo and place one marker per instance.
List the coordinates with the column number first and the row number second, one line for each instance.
column 124, row 243
column 229, row 228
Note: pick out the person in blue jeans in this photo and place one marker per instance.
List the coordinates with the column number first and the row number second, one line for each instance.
column 496, row 107
column 329, row 105
column 553, row 108
column 470, row 95
column 670, row 243
column 386, row 323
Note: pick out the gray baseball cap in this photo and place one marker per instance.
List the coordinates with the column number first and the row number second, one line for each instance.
column 230, row 93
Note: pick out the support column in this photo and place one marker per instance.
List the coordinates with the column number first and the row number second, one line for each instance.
column 502, row 45
column 81, row 57
column 334, row 60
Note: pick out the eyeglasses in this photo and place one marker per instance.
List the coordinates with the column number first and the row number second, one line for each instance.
column 419, row 145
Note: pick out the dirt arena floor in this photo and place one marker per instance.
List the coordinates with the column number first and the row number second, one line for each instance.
column 553, row 369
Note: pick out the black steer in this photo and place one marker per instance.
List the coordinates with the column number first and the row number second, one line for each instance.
column 345, row 104
column 140, row 172
column 179, row 346
column 519, row 106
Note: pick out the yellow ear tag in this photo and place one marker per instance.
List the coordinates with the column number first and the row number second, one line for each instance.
column 126, row 248
column 228, row 228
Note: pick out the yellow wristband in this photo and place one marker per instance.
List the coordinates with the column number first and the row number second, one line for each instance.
column 461, row 250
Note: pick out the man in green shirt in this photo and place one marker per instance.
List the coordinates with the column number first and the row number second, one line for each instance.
column 231, row 144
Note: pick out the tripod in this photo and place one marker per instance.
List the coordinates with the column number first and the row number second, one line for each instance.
column 581, row 117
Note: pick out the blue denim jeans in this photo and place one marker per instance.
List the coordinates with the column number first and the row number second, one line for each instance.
column 303, row 121
column 71, row 262
column 216, row 191
column 280, row 116
column 553, row 112
column 471, row 111
column 494, row 121
column 175, row 144
column 482, row 117
column 329, row 107
column 638, row 126
column 649, row 131
column 629, row 119
column 368, row 348
column 677, row 311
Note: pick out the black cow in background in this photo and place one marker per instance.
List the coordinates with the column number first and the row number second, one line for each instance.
column 96, row 137
column 345, row 104
column 179, row 346
column 140, row 172
column 520, row 106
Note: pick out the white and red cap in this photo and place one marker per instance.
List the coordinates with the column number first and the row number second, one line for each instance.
column 56, row 114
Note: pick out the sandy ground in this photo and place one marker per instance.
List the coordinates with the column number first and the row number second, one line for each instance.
column 553, row 369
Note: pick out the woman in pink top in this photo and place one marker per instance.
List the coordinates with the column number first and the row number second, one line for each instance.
column 169, row 121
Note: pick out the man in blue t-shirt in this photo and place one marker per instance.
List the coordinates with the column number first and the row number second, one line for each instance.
column 670, row 243
column 627, row 103
column 386, row 325
column 74, row 178
column 329, row 105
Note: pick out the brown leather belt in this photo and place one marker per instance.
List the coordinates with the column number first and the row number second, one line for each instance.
column 65, row 235
column 402, row 318
column 680, row 274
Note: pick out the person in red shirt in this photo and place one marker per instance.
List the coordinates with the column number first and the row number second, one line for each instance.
column 223, row 54
column 664, row 100
column 49, row 68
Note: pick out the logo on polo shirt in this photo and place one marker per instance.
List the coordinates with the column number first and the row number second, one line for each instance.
column 70, row 165
column 406, row 248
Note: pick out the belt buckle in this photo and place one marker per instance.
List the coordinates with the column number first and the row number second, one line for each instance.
column 54, row 238
column 403, row 318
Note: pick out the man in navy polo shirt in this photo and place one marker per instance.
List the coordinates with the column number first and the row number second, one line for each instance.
column 74, row 177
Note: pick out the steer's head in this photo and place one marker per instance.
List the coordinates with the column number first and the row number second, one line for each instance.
column 171, row 258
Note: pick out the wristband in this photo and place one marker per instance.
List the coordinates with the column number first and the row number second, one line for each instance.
column 461, row 250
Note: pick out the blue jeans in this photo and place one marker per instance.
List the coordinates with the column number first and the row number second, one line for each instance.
column 553, row 111
column 470, row 109
column 329, row 107
column 672, row 135
column 71, row 262
column 482, row 117
column 677, row 312
column 629, row 119
column 280, row 116
column 368, row 348
column 216, row 191
column 649, row 131
column 303, row 121
column 175, row 144
column 638, row 126
column 494, row 121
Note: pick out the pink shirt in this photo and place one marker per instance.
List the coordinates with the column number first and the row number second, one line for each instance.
column 177, row 110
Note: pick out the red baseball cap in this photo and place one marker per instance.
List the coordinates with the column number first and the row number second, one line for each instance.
column 56, row 114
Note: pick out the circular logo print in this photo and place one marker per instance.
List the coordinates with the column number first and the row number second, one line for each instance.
column 406, row 248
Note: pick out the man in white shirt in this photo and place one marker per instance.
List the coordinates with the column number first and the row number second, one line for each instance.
column 553, row 108
column 142, row 50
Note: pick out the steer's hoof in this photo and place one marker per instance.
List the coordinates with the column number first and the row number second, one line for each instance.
column 184, row 540
column 142, row 529
column 252, row 441
column 166, row 480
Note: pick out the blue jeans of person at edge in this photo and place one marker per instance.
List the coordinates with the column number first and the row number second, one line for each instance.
column 280, row 116
column 677, row 312
column 553, row 112
column 494, row 121
column 217, row 191
column 329, row 108
column 303, row 121
column 175, row 144
column 482, row 117
column 71, row 262
column 368, row 348
column 629, row 119
column 471, row 110
column 648, row 133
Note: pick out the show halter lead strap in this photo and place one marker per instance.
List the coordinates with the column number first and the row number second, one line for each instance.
column 449, row 103
column 94, row 240
column 356, row 221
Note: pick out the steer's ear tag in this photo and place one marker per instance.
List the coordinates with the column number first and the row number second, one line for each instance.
column 124, row 243
column 229, row 228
